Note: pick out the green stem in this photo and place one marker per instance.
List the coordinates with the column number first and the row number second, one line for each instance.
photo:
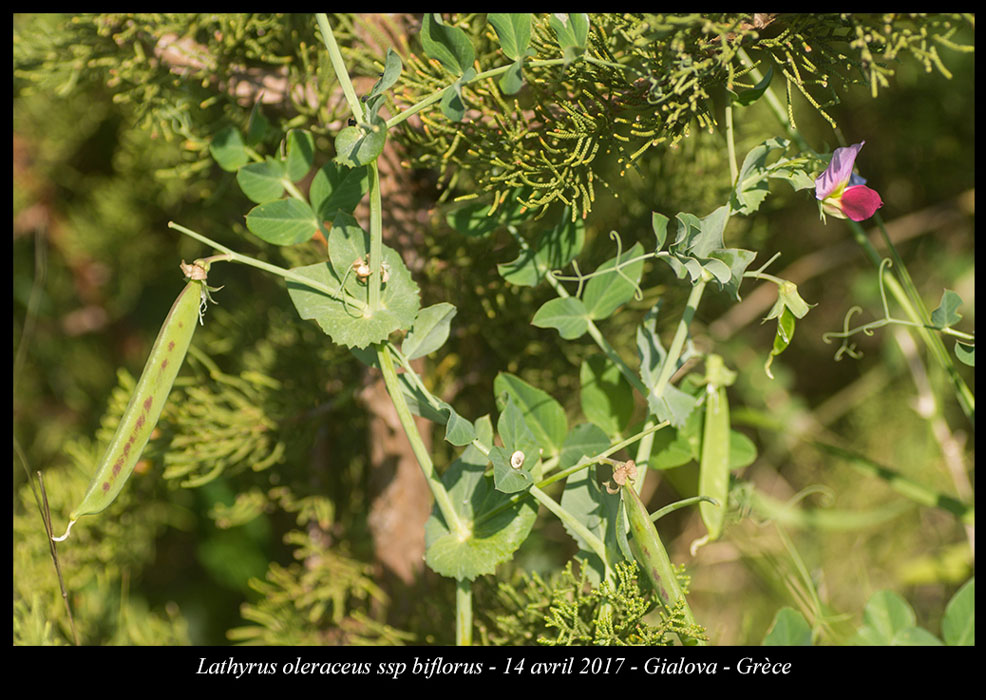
column 376, row 238
column 463, row 612
column 442, row 498
column 680, row 335
column 437, row 95
column 232, row 256
column 906, row 294
column 294, row 191
column 677, row 505
column 574, row 524
column 731, row 146
column 644, row 450
column 339, row 66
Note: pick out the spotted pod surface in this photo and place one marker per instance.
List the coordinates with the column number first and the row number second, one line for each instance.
column 147, row 402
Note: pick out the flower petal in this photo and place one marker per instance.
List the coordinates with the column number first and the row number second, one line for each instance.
column 860, row 202
column 839, row 171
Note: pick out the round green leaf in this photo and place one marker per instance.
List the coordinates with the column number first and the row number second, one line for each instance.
column 283, row 222
column 301, row 154
column 337, row 188
column 228, row 151
column 346, row 323
column 262, row 182
column 565, row 314
column 491, row 540
column 358, row 145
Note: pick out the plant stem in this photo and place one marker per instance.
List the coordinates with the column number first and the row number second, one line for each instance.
column 463, row 612
column 339, row 66
column 595, row 544
column 376, row 238
column 906, row 294
column 731, row 146
column 644, row 450
column 437, row 95
column 232, row 256
column 678, row 342
column 442, row 498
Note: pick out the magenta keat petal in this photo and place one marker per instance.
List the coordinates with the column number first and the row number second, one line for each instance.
column 860, row 202
column 839, row 171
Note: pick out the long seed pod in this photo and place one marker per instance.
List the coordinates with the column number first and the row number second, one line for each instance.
column 713, row 478
column 149, row 396
column 647, row 548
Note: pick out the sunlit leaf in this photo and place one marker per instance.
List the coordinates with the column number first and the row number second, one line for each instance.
column 283, row 222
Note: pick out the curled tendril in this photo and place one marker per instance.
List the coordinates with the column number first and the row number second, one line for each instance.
column 884, row 264
column 580, row 278
column 868, row 329
column 828, row 496
column 638, row 293
column 846, row 348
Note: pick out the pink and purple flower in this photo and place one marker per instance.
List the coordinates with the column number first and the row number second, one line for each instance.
column 841, row 192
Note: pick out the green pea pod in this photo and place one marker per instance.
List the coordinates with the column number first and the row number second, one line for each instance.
column 649, row 551
column 149, row 396
column 713, row 480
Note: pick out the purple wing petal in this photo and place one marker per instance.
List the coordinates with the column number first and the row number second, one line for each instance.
column 839, row 171
column 860, row 202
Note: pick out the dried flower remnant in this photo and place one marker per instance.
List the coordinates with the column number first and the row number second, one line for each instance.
column 621, row 474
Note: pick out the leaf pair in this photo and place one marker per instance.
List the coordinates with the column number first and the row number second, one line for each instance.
column 289, row 221
column 613, row 284
column 362, row 143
